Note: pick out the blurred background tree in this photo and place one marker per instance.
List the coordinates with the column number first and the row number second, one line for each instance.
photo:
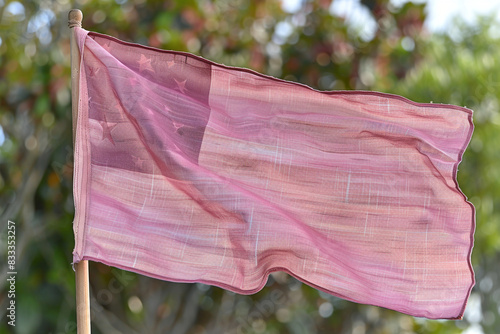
column 391, row 51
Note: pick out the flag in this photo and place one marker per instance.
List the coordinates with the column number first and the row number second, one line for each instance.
column 191, row 171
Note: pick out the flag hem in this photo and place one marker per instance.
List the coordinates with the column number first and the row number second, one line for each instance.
column 473, row 212
column 81, row 172
column 261, row 286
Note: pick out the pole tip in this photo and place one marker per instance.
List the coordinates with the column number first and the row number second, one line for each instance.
column 75, row 17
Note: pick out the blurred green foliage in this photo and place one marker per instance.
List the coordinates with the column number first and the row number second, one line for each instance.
column 311, row 46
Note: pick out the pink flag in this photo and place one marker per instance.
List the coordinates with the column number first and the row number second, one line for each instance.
column 190, row 171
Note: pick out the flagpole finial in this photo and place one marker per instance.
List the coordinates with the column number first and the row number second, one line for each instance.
column 75, row 17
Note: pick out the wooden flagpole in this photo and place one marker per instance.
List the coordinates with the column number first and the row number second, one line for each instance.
column 75, row 17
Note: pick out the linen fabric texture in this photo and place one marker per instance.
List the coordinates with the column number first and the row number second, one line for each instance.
column 191, row 171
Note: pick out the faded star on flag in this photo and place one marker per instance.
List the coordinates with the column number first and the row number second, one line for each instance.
column 106, row 130
column 93, row 71
column 106, row 46
column 138, row 161
column 145, row 64
column 181, row 85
